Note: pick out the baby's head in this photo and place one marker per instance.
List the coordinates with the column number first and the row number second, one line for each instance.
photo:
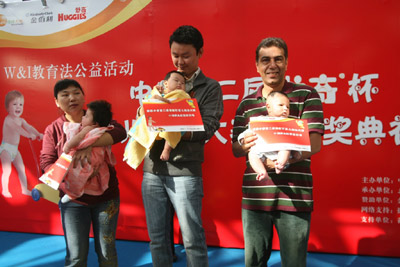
column 98, row 113
column 278, row 104
column 174, row 80
column 14, row 103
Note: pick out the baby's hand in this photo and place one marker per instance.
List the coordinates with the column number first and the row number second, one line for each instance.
column 261, row 176
column 160, row 98
column 279, row 167
column 159, row 88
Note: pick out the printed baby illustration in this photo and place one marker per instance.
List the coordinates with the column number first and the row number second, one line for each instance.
column 13, row 127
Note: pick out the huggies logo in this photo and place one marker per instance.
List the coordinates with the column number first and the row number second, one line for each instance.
column 80, row 14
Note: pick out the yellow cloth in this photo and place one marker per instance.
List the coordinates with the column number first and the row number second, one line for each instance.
column 141, row 139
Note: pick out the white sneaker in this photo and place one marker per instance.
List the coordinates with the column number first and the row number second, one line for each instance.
column 65, row 199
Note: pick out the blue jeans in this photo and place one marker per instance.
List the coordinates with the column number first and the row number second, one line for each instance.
column 293, row 230
column 77, row 219
column 185, row 194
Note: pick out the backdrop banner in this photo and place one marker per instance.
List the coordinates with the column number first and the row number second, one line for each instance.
column 118, row 50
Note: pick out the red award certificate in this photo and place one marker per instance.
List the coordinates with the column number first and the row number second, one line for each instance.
column 179, row 116
column 281, row 134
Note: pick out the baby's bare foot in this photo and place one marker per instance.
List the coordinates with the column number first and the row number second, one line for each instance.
column 7, row 194
column 26, row 192
column 164, row 156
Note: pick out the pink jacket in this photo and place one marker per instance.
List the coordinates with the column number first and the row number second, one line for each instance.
column 78, row 180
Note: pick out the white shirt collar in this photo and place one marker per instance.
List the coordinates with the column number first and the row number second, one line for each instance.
column 189, row 82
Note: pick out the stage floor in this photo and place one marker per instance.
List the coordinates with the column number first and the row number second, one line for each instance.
column 34, row 250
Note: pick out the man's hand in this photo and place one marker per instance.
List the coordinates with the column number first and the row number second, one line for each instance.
column 316, row 143
column 247, row 142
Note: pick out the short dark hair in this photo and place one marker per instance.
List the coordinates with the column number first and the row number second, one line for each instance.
column 174, row 71
column 101, row 110
column 272, row 41
column 187, row 34
column 64, row 84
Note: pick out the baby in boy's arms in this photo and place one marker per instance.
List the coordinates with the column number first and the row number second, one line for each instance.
column 138, row 147
column 278, row 107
